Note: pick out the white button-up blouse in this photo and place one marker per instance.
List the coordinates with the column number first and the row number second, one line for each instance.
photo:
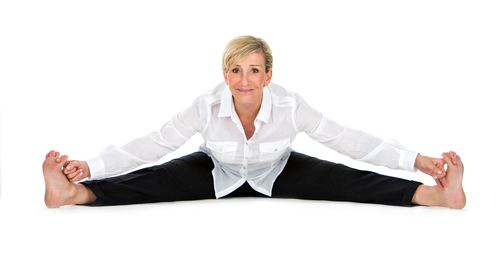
column 258, row 160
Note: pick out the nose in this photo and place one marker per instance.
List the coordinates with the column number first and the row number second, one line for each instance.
column 244, row 79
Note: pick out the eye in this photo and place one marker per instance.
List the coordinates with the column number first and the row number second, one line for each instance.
column 255, row 70
column 235, row 70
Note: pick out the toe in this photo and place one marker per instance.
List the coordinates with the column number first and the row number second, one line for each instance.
column 63, row 158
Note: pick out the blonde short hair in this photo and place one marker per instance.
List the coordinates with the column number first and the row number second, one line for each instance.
column 241, row 47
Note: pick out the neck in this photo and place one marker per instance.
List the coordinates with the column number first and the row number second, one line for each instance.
column 247, row 111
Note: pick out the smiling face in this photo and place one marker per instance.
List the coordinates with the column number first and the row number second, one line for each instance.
column 246, row 80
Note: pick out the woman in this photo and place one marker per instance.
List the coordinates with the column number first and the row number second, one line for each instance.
column 248, row 125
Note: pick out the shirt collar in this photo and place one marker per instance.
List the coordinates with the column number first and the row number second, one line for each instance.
column 265, row 107
column 227, row 105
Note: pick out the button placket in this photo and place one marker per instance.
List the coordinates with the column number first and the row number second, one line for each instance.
column 246, row 153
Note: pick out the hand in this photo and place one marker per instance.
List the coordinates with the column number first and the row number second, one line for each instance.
column 76, row 170
column 433, row 167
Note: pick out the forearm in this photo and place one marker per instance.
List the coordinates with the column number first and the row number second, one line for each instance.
column 365, row 147
column 388, row 153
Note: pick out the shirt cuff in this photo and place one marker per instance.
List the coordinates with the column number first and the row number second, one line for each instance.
column 96, row 167
column 407, row 160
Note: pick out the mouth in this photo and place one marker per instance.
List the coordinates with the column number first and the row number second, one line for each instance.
column 245, row 90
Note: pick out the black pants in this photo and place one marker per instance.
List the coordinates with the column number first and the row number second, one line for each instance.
column 304, row 177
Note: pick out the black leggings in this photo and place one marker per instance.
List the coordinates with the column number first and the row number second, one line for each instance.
column 304, row 177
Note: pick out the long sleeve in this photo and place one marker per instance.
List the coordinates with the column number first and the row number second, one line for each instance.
column 149, row 148
column 356, row 144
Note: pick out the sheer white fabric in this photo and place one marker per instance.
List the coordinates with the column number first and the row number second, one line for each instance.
column 259, row 160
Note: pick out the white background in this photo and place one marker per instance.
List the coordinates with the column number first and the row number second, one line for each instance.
column 77, row 76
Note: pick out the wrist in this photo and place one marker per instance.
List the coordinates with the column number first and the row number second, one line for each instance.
column 96, row 168
column 87, row 168
column 417, row 159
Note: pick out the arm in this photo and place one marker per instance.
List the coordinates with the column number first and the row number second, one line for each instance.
column 146, row 149
column 356, row 144
column 365, row 147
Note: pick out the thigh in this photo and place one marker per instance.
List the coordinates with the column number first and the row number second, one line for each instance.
column 306, row 177
column 186, row 178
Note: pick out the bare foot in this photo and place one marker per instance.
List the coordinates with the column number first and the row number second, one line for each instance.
column 454, row 193
column 58, row 189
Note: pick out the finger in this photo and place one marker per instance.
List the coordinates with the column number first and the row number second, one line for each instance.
column 439, row 184
column 67, row 163
column 64, row 158
column 438, row 166
column 72, row 171
column 447, row 158
column 74, row 174
column 79, row 177
column 443, row 172
column 71, row 167
column 437, row 172
column 444, row 182
column 69, row 172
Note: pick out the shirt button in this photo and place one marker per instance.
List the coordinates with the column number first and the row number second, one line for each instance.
column 275, row 150
column 220, row 150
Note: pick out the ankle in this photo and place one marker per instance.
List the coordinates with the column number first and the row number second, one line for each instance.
column 84, row 195
column 429, row 196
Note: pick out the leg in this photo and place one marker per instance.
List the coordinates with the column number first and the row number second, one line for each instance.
column 453, row 196
column 185, row 178
column 306, row 177
column 59, row 191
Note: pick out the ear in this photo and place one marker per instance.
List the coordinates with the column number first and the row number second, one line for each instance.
column 225, row 78
column 269, row 75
